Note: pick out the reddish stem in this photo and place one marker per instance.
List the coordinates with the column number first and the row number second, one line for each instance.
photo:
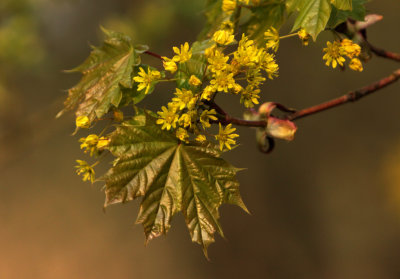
column 352, row 96
column 154, row 55
column 385, row 54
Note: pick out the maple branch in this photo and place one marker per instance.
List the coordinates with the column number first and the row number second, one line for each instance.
column 352, row 96
column 226, row 119
column 383, row 53
column 386, row 54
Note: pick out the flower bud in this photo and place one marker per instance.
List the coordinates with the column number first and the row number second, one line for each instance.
column 280, row 128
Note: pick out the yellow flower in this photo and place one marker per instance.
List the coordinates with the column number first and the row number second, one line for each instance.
column 89, row 143
column 82, row 121
column 207, row 93
column 355, row 65
column 225, row 136
column 237, row 88
column 145, row 79
column 182, row 55
column 351, row 49
column 103, row 142
column 206, row 116
column 201, row 138
column 86, row 170
column 186, row 119
column 304, row 36
column 195, row 81
column 223, row 81
column 268, row 64
column 250, row 97
column 210, row 50
column 227, row 25
column 228, row 6
column 254, row 77
column 217, row 61
column 169, row 65
column 246, row 54
column 223, row 37
column 334, row 54
column 272, row 37
column 167, row 117
column 184, row 98
column 182, row 134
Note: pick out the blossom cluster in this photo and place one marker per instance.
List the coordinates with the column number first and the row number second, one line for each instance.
column 239, row 72
column 336, row 52
column 229, row 64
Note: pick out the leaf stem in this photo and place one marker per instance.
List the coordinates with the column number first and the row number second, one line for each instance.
column 154, row 55
column 288, row 36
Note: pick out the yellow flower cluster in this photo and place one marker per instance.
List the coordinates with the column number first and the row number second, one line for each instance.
column 229, row 6
column 93, row 143
column 304, row 36
column 86, row 170
column 146, row 80
column 272, row 37
column 240, row 72
column 225, row 136
column 335, row 52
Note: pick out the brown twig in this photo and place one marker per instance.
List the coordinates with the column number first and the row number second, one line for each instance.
column 352, row 96
column 385, row 54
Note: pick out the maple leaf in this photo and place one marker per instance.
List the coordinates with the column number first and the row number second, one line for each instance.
column 171, row 177
column 106, row 73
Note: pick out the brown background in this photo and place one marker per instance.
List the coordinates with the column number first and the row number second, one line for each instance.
column 323, row 206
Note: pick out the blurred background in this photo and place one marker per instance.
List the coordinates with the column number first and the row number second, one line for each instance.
column 324, row 206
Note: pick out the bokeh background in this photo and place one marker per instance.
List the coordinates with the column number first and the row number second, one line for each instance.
column 324, row 206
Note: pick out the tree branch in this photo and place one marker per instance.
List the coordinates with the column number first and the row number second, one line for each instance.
column 383, row 53
column 352, row 96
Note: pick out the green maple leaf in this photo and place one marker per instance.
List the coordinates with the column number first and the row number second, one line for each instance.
column 313, row 16
column 357, row 12
column 171, row 177
column 262, row 18
column 106, row 72
column 343, row 4
column 294, row 5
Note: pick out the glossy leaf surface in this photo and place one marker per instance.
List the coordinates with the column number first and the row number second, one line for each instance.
column 171, row 177
column 313, row 16
column 106, row 72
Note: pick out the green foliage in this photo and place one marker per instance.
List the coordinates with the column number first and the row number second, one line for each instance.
column 342, row 4
column 195, row 66
column 263, row 18
column 106, row 72
column 356, row 13
column 314, row 14
column 156, row 157
column 171, row 177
